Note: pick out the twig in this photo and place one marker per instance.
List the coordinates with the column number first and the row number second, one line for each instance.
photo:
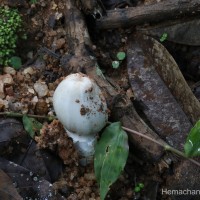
column 12, row 114
column 166, row 147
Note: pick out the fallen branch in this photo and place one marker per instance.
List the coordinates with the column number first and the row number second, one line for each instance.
column 162, row 11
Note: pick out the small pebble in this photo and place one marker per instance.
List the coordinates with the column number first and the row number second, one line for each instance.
column 9, row 70
column 28, row 70
column 31, row 90
column 41, row 89
column 6, row 79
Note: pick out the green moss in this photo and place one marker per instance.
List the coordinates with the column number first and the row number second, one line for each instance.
column 10, row 27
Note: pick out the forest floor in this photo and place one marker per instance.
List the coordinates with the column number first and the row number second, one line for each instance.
column 47, row 165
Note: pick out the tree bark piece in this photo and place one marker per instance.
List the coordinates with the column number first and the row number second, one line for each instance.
column 76, row 29
column 161, row 108
column 170, row 73
column 165, row 10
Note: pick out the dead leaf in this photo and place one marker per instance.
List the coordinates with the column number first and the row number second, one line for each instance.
column 7, row 188
column 28, row 183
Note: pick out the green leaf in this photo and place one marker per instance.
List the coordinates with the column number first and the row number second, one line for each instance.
column 141, row 185
column 137, row 189
column 16, row 62
column 121, row 55
column 111, row 153
column 31, row 125
column 163, row 37
column 24, row 36
column 115, row 64
column 192, row 145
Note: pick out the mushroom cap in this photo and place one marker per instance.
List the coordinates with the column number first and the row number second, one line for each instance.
column 79, row 105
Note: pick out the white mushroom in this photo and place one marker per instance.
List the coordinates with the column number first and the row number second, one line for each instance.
column 81, row 108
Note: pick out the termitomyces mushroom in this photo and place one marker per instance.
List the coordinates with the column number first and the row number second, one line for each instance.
column 81, row 107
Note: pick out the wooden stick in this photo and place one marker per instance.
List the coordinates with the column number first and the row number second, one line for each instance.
column 165, row 10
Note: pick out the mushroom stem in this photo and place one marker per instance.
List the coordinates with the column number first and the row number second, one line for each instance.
column 84, row 145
